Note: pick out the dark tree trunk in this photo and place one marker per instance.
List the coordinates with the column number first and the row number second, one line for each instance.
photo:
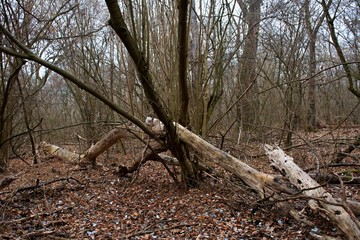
column 248, row 106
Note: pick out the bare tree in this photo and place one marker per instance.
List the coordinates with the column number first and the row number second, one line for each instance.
column 312, row 30
column 352, row 83
column 247, row 109
column 118, row 24
column 16, row 78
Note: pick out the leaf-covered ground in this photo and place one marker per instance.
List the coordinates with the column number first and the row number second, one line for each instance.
column 68, row 203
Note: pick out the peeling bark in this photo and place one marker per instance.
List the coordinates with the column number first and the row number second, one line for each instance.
column 95, row 150
column 337, row 214
column 56, row 151
column 105, row 143
column 258, row 181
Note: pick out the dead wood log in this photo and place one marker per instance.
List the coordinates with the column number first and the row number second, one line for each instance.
column 93, row 152
column 104, row 144
column 261, row 182
column 354, row 205
column 56, row 151
column 337, row 214
column 150, row 152
column 169, row 160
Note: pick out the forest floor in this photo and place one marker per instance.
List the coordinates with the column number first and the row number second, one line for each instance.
column 55, row 200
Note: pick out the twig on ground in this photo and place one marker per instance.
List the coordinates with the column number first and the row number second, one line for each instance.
column 143, row 232
column 40, row 185
column 24, row 219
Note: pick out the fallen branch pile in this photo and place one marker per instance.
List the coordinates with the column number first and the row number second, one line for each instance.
column 267, row 186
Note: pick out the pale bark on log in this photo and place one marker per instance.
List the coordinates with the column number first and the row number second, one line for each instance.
column 95, row 150
column 337, row 214
column 105, row 143
column 149, row 153
column 256, row 180
column 56, row 151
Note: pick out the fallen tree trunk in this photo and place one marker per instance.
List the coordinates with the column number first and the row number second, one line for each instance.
column 256, row 180
column 104, row 144
column 56, row 151
column 266, row 185
column 149, row 153
column 93, row 152
column 262, row 183
column 337, row 214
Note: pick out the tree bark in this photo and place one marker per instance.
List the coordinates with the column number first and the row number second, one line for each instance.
column 352, row 86
column 261, row 182
column 56, row 151
column 117, row 22
column 95, row 150
column 337, row 214
column 183, row 61
column 105, row 143
column 247, row 108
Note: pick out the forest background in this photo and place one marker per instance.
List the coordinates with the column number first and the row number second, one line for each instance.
column 252, row 67
column 85, row 74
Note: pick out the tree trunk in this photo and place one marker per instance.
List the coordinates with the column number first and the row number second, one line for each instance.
column 117, row 22
column 105, row 143
column 247, row 108
column 337, row 214
column 258, row 181
column 95, row 150
column 352, row 83
column 6, row 113
column 183, row 61
column 312, row 33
